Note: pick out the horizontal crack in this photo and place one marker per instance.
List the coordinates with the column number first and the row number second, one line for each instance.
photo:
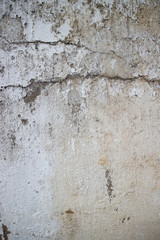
column 78, row 76
column 55, row 43
column 34, row 88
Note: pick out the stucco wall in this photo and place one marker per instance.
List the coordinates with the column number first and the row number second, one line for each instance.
column 80, row 120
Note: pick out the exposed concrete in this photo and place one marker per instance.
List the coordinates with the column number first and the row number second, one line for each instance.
column 79, row 102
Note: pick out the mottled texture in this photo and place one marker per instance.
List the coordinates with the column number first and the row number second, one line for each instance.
column 80, row 120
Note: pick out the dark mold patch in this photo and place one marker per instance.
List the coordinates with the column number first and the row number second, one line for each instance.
column 100, row 6
column 12, row 137
column 72, row 1
column 24, row 121
column 124, row 219
column 109, row 183
column 33, row 91
column 2, row 106
column 5, row 232
column 89, row 1
column 2, row 69
column 70, row 225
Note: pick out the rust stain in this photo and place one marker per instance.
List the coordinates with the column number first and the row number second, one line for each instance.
column 69, row 211
column 69, row 225
column 102, row 162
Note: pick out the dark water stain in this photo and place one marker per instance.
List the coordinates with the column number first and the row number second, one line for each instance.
column 72, row 1
column 109, row 183
column 123, row 220
column 33, row 91
column 2, row 69
column 12, row 137
column 5, row 233
column 101, row 7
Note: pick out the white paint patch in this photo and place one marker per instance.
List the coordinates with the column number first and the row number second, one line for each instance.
column 73, row 144
column 42, row 31
column 64, row 29
column 113, row 63
column 136, row 92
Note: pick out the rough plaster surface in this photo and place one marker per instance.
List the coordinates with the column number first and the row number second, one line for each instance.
column 80, row 120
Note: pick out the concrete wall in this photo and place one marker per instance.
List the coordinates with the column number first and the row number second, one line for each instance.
column 80, row 120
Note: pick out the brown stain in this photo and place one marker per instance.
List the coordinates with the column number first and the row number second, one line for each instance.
column 5, row 232
column 102, row 162
column 24, row 121
column 69, row 225
column 69, row 211
column 149, row 17
column 109, row 186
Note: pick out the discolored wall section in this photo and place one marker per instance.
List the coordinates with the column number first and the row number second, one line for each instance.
column 80, row 120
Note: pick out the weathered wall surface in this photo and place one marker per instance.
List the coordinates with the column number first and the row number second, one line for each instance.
column 80, row 120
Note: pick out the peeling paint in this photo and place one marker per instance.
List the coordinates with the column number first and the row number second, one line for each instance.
column 79, row 123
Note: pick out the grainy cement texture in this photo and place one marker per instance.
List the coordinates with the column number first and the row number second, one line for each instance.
column 80, row 120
